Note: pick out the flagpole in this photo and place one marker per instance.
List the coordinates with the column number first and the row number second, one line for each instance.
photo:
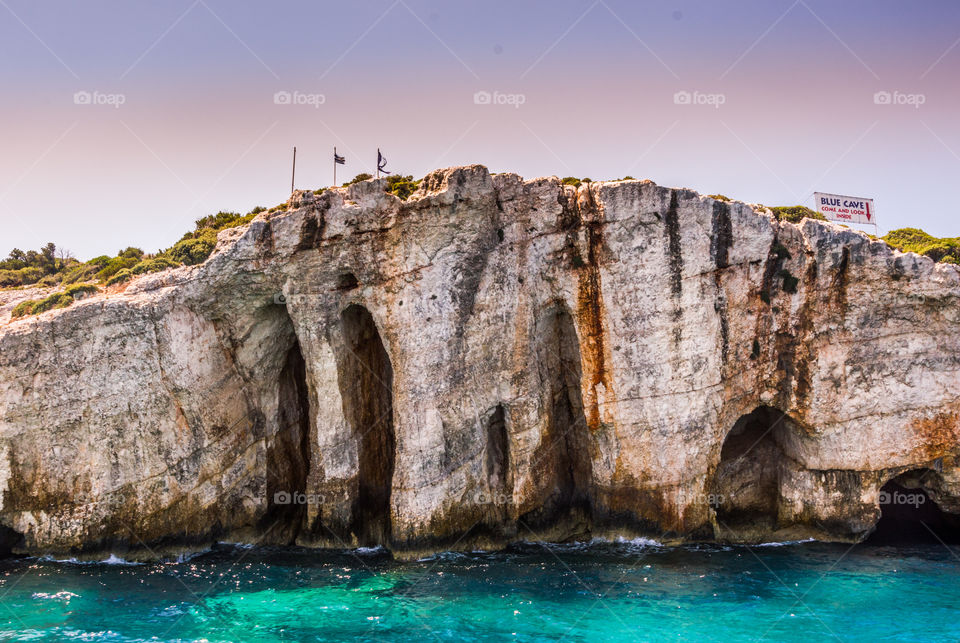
column 378, row 162
column 293, row 174
column 334, row 166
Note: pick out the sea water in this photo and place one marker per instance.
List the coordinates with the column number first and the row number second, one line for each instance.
column 630, row 591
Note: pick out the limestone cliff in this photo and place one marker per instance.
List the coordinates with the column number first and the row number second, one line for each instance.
column 493, row 359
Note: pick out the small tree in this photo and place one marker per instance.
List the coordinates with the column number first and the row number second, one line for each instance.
column 363, row 176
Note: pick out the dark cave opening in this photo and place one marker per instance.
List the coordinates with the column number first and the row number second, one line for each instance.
column 366, row 387
column 745, row 491
column 498, row 450
column 562, row 463
column 9, row 540
column 288, row 457
column 347, row 281
column 909, row 514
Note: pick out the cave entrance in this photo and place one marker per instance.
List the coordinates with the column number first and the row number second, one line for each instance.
column 745, row 491
column 562, row 467
column 10, row 539
column 366, row 387
column 909, row 513
column 498, row 451
column 288, row 458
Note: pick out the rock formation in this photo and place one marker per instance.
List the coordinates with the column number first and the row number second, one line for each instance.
column 491, row 360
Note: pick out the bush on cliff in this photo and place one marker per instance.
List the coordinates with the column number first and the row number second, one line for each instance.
column 155, row 264
column 115, row 265
column 55, row 300
column 796, row 213
column 20, row 277
column 402, row 186
column 78, row 290
column 23, row 309
column 34, row 266
column 194, row 250
column 946, row 250
column 363, row 176
column 195, row 247
column 119, row 278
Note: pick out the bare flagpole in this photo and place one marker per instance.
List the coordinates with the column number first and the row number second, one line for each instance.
column 293, row 174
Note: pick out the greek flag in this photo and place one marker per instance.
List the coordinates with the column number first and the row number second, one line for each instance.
column 381, row 162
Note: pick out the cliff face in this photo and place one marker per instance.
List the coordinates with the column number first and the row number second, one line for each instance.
column 493, row 359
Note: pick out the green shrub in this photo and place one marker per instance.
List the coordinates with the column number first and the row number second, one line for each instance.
column 131, row 253
column 20, row 277
column 80, row 272
column 719, row 197
column 155, row 264
column 81, row 289
column 115, row 265
column 916, row 240
column 100, row 261
column 222, row 220
column 796, row 213
column 570, row 180
column 195, row 250
column 23, row 309
column 56, row 300
column 363, row 176
column 257, row 210
column 401, row 186
column 120, row 277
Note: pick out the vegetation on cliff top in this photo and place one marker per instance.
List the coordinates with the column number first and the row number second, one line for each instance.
column 946, row 250
column 397, row 184
column 796, row 213
column 48, row 268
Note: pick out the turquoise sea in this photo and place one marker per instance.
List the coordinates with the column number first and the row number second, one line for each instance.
column 598, row 592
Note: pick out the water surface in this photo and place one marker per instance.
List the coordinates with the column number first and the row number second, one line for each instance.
column 534, row 592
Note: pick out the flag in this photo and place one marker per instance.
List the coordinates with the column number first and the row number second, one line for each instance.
column 337, row 158
column 381, row 162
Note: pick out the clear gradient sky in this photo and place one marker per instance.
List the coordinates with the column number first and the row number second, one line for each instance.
column 199, row 129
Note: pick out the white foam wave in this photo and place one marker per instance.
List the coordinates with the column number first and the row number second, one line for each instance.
column 786, row 543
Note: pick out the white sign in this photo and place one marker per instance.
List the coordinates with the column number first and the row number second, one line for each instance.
column 848, row 209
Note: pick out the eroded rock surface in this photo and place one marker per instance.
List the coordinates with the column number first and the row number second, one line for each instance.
column 493, row 359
